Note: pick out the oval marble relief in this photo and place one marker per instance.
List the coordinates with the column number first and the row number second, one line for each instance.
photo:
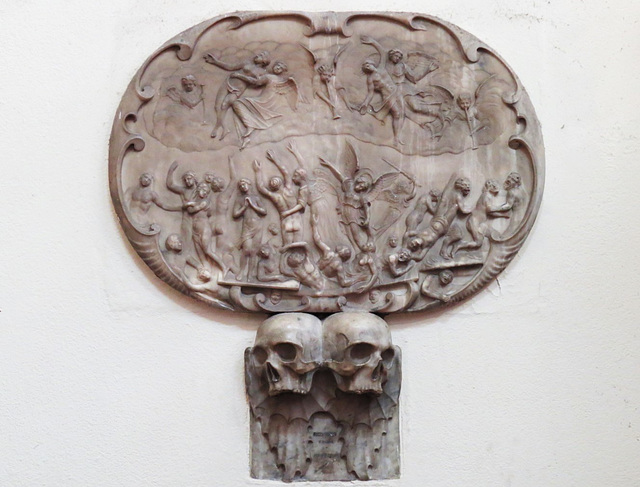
column 325, row 162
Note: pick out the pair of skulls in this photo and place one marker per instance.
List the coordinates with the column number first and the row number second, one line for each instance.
column 356, row 347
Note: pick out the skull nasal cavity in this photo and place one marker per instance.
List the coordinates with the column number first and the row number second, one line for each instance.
column 361, row 352
column 286, row 351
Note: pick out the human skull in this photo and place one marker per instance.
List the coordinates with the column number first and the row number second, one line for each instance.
column 358, row 349
column 288, row 350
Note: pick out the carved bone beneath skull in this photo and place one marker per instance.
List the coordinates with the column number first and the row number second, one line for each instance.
column 287, row 351
column 358, row 350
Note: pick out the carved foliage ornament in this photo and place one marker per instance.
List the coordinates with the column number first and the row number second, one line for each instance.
column 322, row 162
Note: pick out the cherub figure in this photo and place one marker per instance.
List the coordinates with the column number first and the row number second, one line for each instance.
column 262, row 111
column 358, row 191
column 326, row 70
column 190, row 93
column 255, row 67
column 465, row 110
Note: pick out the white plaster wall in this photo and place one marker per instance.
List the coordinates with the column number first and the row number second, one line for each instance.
column 110, row 378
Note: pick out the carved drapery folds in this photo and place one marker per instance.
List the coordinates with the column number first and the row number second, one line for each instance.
column 326, row 162
column 324, row 398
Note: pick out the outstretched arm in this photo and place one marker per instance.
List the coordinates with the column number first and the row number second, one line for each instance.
column 257, row 81
column 171, row 183
column 333, row 170
column 262, row 187
column 283, row 170
column 165, row 206
column 367, row 101
column 378, row 47
column 211, row 59
column 291, row 148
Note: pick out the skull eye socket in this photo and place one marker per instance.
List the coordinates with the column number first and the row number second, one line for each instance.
column 286, row 351
column 388, row 355
column 361, row 352
column 260, row 355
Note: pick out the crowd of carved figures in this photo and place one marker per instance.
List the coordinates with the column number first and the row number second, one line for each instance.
column 308, row 251
column 259, row 92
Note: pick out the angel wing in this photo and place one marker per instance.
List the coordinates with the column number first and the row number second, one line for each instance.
column 482, row 85
column 313, row 54
column 380, row 184
column 289, row 89
column 349, row 159
column 340, row 51
column 421, row 64
column 321, row 185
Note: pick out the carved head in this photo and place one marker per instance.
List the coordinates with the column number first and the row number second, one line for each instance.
column 463, row 185
column 464, row 101
column 276, row 296
column 393, row 241
column 173, row 243
column 326, row 72
column 358, row 349
column 445, row 278
column 275, row 183
column 368, row 67
column 145, row 179
column 288, row 350
column 343, row 252
column 362, row 183
column 492, row 186
column 295, row 259
column 404, row 255
column 188, row 83
column 513, row 181
column 243, row 185
column 203, row 190
column 279, row 67
column 189, row 179
column 208, row 177
column 217, row 184
column 395, row 56
column 264, row 252
column 262, row 59
column 204, row 275
column 299, row 176
column 415, row 244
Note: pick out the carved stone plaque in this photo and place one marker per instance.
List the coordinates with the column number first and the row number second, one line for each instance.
column 326, row 162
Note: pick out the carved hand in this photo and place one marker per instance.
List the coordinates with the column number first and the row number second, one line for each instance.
column 291, row 148
column 271, row 155
column 256, row 165
column 210, row 58
column 366, row 40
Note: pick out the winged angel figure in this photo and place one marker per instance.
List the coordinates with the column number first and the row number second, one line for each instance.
column 357, row 192
column 262, row 111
